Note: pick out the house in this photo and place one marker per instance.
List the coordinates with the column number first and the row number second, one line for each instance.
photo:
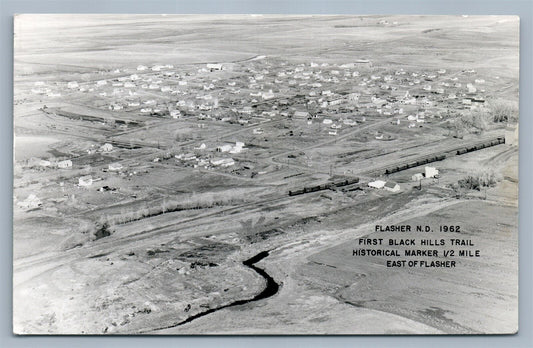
column 223, row 162
column 301, row 114
column 85, row 181
column 268, row 95
column 30, row 203
column 224, row 148
column 417, row 177
column 64, row 164
column 391, row 186
column 237, row 148
column 336, row 102
column 72, row 84
column 431, row 172
column 189, row 157
column 213, row 67
column 106, row 147
column 44, row 163
column 115, row 167
column 377, row 184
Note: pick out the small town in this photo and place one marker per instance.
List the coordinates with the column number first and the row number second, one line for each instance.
column 233, row 176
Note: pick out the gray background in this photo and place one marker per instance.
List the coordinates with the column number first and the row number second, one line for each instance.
column 523, row 8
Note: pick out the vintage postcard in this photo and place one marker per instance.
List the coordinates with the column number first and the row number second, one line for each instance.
column 265, row 174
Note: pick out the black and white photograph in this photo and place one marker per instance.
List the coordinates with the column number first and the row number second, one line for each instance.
column 265, row 174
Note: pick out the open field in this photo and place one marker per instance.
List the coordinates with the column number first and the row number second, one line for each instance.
column 153, row 168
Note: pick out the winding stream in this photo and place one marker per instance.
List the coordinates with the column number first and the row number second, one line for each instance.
column 270, row 289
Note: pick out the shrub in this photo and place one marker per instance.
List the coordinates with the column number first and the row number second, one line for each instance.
column 483, row 178
column 503, row 111
column 102, row 230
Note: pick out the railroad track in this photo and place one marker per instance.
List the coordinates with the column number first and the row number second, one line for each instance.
column 118, row 243
column 437, row 156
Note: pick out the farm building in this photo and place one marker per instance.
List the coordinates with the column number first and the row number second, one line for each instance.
column 85, row 181
column 391, row 186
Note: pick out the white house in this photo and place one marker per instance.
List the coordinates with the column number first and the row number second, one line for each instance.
column 224, row 148
column 106, row 147
column 214, row 67
column 268, row 95
column 115, row 167
column 175, row 113
column 300, row 114
column 44, row 163
column 85, row 181
column 391, row 186
column 64, row 164
column 223, row 162
column 377, row 184
column 417, row 177
column 238, row 147
column 30, row 203
column 431, row 172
